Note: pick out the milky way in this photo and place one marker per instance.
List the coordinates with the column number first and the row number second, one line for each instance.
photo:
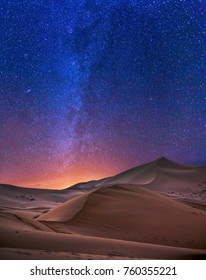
column 91, row 88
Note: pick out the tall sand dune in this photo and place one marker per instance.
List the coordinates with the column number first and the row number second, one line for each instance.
column 132, row 213
column 165, row 176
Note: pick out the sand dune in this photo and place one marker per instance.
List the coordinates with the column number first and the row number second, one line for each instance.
column 187, row 179
column 156, row 210
column 162, row 175
column 66, row 211
column 133, row 213
column 167, row 177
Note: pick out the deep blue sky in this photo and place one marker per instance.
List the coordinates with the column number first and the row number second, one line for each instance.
column 90, row 88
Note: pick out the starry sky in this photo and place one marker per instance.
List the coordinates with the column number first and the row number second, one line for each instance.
column 90, row 88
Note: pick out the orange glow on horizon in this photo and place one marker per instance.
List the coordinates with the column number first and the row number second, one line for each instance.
column 67, row 179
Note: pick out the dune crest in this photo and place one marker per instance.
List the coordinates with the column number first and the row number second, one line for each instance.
column 66, row 211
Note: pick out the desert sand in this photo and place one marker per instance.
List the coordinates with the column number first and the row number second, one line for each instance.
column 153, row 211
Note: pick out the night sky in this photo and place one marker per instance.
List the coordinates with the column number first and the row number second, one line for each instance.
column 91, row 88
